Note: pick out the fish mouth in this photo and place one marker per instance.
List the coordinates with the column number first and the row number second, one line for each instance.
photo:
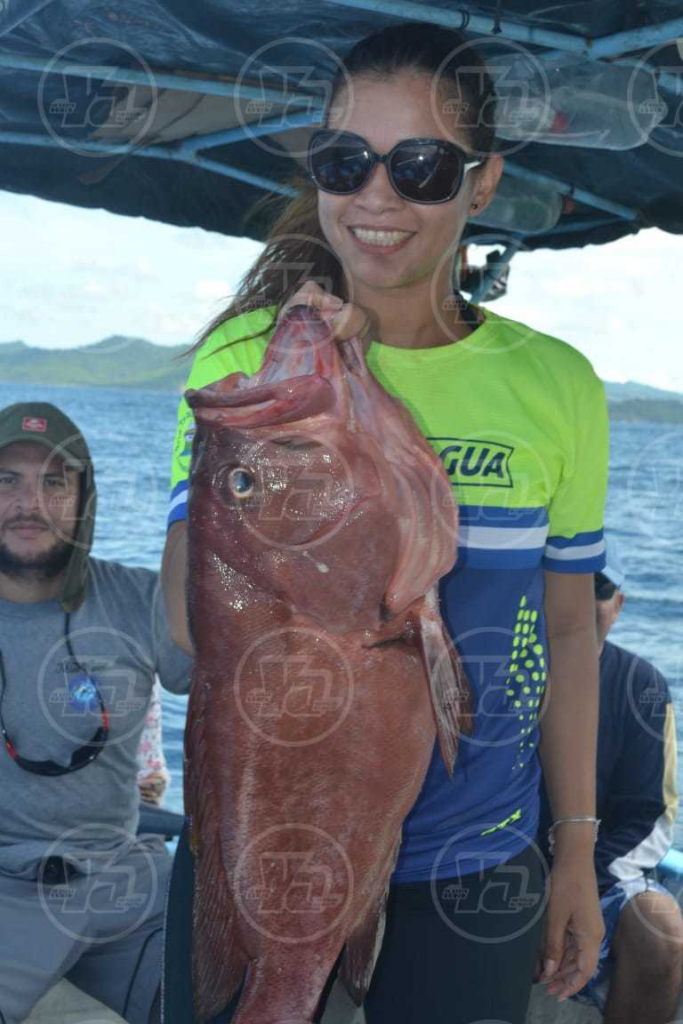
column 263, row 405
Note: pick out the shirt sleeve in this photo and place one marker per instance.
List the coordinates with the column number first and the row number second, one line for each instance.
column 221, row 354
column 173, row 666
column 575, row 540
column 642, row 798
column 180, row 465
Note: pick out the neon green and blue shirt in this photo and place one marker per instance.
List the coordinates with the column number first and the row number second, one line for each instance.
column 519, row 421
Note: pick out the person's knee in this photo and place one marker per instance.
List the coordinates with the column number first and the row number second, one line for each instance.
column 650, row 935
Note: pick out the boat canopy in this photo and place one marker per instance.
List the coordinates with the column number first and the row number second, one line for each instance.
column 188, row 112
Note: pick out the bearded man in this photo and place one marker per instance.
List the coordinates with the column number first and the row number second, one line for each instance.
column 81, row 642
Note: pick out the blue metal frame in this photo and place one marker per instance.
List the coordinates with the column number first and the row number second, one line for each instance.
column 486, row 24
column 154, row 152
column 463, row 19
column 8, row 22
column 159, row 79
column 581, row 195
column 665, row 80
column 187, row 155
column 636, row 39
column 273, row 126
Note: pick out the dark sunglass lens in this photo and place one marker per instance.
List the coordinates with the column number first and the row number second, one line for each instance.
column 339, row 165
column 605, row 591
column 426, row 173
column 89, row 752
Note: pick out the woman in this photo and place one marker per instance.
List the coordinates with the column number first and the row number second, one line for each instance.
column 519, row 420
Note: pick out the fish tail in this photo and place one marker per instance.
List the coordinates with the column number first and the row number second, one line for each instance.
column 365, row 941
column 264, row 1001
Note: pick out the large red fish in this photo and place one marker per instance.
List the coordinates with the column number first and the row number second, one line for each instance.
column 320, row 521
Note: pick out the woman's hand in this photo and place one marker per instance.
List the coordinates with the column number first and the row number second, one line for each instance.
column 344, row 319
column 574, row 928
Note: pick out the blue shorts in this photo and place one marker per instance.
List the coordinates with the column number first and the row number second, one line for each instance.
column 594, row 993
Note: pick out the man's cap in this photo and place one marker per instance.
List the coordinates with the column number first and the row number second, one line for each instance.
column 45, row 424
column 614, row 569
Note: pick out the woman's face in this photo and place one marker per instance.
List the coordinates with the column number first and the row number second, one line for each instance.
column 384, row 111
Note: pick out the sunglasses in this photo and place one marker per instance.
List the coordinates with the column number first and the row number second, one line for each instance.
column 604, row 588
column 79, row 759
column 420, row 170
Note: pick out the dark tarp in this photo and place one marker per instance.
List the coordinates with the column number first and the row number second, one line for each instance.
column 221, row 39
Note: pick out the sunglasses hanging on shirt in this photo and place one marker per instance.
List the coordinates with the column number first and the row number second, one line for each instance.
column 81, row 757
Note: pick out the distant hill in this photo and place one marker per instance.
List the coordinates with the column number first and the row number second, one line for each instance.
column 648, row 409
column 633, row 390
column 136, row 363
column 113, row 362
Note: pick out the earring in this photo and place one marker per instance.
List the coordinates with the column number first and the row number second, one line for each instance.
column 474, row 206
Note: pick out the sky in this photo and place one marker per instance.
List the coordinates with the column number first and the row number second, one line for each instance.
column 72, row 276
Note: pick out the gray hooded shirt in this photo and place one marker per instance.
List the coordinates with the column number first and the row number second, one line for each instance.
column 119, row 641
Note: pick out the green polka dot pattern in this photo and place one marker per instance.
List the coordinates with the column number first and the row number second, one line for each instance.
column 526, row 677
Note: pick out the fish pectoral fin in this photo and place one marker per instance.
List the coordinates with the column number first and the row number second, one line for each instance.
column 451, row 693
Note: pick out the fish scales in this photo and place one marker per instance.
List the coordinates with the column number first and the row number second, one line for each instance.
column 320, row 522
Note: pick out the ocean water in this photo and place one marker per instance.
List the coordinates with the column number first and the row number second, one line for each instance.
column 130, row 434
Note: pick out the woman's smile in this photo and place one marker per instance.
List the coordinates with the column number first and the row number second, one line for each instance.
column 380, row 240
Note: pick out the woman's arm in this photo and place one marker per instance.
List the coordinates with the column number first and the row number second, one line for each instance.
column 173, row 571
column 569, row 722
column 568, row 745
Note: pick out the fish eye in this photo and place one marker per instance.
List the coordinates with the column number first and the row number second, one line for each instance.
column 241, row 482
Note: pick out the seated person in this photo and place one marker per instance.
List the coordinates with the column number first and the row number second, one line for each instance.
column 80, row 642
column 641, row 958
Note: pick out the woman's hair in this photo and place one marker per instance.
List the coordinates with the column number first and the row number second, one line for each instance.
column 296, row 249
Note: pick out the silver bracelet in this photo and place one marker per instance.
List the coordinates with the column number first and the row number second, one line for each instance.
column 563, row 821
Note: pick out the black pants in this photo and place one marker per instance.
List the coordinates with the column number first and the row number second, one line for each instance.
column 463, row 950
column 460, row 951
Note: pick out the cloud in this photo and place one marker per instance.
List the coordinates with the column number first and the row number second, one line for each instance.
column 208, row 291
column 177, row 328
